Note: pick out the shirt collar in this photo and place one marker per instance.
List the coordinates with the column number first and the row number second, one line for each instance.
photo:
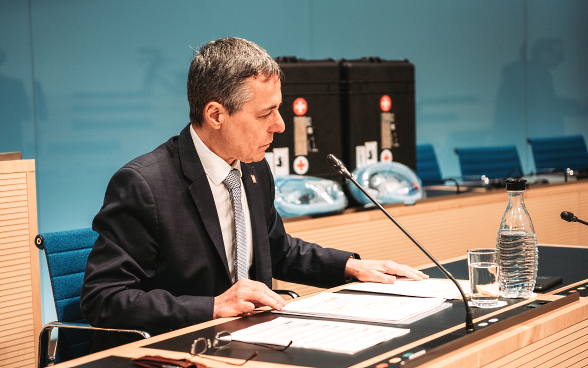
column 215, row 167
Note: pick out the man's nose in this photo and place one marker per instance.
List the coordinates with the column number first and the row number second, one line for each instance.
column 279, row 125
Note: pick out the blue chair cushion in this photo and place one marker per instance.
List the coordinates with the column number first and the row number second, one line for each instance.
column 427, row 165
column 493, row 162
column 560, row 153
column 67, row 253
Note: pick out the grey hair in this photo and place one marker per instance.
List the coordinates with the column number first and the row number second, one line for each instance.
column 218, row 73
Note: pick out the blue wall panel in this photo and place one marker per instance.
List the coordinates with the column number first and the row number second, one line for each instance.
column 17, row 111
column 88, row 85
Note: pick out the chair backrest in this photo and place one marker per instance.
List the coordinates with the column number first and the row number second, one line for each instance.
column 493, row 162
column 427, row 165
column 67, row 253
column 559, row 153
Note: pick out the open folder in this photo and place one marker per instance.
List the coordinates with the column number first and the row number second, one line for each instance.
column 428, row 288
column 367, row 308
column 336, row 337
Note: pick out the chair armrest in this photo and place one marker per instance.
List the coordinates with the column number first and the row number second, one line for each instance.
column 47, row 358
column 454, row 182
column 85, row 326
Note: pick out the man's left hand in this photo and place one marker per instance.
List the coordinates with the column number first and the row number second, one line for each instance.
column 380, row 271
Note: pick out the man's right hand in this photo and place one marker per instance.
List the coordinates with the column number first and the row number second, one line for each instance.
column 243, row 297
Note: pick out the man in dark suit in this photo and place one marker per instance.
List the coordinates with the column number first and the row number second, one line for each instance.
column 173, row 250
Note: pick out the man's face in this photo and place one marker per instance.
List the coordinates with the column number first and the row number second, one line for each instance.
column 248, row 132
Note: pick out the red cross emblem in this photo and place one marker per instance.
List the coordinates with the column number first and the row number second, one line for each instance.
column 300, row 106
column 301, row 165
column 385, row 103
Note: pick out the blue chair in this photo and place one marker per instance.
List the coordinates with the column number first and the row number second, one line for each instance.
column 67, row 253
column 492, row 162
column 428, row 167
column 558, row 154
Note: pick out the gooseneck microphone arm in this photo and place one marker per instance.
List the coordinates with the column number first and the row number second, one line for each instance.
column 569, row 217
column 341, row 169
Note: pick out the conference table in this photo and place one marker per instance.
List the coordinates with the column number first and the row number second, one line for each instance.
column 550, row 329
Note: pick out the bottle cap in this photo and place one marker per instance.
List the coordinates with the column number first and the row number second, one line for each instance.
column 518, row 184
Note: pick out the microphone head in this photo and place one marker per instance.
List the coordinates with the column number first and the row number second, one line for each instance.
column 568, row 216
column 338, row 166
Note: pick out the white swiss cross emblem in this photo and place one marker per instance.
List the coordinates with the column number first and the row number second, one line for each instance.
column 300, row 106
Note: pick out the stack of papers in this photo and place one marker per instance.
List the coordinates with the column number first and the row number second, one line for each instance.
column 367, row 308
column 336, row 337
column 428, row 288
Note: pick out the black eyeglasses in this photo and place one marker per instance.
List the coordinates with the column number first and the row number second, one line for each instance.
column 222, row 340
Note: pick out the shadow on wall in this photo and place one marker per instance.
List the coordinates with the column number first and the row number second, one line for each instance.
column 14, row 110
column 527, row 93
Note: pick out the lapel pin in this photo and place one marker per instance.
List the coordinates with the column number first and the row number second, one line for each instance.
column 253, row 179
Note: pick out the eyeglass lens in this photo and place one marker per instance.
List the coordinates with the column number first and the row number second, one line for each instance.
column 222, row 340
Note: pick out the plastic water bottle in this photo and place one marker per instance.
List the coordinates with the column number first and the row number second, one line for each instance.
column 517, row 246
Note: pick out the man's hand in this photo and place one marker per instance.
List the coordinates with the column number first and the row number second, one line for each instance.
column 380, row 271
column 243, row 297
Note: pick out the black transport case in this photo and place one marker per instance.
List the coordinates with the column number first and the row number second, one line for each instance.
column 364, row 82
column 317, row 132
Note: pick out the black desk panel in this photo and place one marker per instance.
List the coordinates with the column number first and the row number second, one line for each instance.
column 423, row 328
column 568, row 263
column 110, row 362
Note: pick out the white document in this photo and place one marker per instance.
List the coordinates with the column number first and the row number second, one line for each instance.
column 371, row 153
column 336, row 337
column 359, row 157
column 368, row 308
column 269, row 156
column 431, row 288
column 281, row 161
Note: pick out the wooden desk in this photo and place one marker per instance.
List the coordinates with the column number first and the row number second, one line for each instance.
column 558, row 336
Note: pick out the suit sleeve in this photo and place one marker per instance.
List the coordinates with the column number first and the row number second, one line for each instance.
column 295, row 260
column 118, row 290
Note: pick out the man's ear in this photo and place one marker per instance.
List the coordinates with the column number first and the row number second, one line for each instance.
column 214, row 114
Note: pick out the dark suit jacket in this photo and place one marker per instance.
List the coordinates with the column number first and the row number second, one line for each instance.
column 159, row 260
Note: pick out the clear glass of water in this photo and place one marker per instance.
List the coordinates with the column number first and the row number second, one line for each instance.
column 483, row 269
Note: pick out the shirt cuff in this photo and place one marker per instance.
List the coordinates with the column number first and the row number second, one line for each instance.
column 352, row 279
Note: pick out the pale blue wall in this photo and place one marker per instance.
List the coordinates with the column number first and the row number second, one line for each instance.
column 86, row 86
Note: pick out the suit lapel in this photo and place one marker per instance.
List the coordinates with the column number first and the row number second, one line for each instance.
column 201, row 193
column 261, row 247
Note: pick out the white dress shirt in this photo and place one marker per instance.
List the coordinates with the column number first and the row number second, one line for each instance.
column 217, row 170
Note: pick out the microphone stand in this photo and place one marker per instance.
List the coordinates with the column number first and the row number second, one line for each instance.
column 341, row 169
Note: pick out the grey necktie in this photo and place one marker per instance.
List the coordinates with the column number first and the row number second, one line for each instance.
column 233, row 184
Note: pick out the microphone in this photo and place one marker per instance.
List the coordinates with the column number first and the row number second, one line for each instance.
column 341, row 169
column 569, row 217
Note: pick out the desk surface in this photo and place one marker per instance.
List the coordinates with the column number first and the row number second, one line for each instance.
column 432, row 333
